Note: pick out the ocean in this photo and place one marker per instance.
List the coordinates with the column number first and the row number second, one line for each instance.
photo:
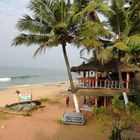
column 17, row 76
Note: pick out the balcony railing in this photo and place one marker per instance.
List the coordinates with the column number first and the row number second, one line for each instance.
column 99, row 83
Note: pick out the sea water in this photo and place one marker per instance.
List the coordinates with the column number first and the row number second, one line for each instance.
column 15, row 76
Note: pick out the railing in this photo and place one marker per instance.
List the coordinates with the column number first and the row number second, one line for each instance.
column 99, row 83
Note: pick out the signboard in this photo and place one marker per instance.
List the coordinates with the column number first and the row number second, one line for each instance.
column 73, row 118
column 25, row 97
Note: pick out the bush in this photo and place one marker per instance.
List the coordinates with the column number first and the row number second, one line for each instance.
column 117, row 103
column 137, row 100
column 98, row 110
column 118, row 117
column 132, row 107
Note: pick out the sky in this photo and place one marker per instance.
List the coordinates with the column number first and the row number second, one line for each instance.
column 22, row 56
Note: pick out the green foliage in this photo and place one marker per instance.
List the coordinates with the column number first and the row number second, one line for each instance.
column 91, row 30
column 132, row 107
column 121, row 46
column 117, row 18
column 106, row 54
column 117, row 103
column 51, row 24
column 118, row 117
column 102, row 115
column 137, row 100
column 124, row 25
column 99, row 110
column 115, row 134
column 43, row 100
column 90, row 42
column 134, row 43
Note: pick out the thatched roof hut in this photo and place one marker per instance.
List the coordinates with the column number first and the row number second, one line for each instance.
column 124, row 67
column 111, row 66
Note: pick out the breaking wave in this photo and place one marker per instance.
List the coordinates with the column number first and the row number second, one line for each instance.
column 7, row 79
column 24, row 77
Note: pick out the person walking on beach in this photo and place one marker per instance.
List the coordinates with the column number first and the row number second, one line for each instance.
column 67, row 100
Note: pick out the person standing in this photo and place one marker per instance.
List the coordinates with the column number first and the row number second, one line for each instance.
column 67, row 100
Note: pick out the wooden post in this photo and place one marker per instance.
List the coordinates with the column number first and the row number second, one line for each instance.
column 84, row 74
column 108, row 101
column 96, row 79
column 79, row 82
column 127, row 80
column 96, row 101
column 105, row 83
column 105, row 101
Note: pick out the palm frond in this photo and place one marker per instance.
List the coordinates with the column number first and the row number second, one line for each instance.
column 73, row 10
column 135, row 28
column 43, row 9
column 29, row 39
column 89, row 11
column 33, row 25
column 101, row 7
column 121, row 46
column 117, row 17
column 92, row 29
column 59, row 11
column 134, row 41
column 106, row 55
column 43, row 46
column 90, row 42
column 90, row 7
column 86, row 50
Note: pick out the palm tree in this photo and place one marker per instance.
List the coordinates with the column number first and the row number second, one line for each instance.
column 125, row 30
column 91, row 33
column 121, row 26
column 51, row 24
column 125, row 43
column 119, row 37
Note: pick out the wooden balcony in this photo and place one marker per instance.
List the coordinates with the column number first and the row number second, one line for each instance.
column 100, row 83
column 101, row 87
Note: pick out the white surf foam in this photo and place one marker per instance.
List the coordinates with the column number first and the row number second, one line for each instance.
column 5, row 79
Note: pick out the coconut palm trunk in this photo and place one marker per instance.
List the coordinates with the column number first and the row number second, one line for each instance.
column 123, row 88
column 70, row 78
column 121, row 80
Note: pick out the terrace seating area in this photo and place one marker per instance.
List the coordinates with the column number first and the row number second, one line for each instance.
column 102, row 81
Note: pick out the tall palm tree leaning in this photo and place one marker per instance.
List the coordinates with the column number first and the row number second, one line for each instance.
column 50, row 25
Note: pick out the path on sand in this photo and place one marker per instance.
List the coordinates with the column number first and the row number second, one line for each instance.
column 43, row 125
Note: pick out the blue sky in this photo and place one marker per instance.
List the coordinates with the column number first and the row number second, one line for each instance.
column 10, row 12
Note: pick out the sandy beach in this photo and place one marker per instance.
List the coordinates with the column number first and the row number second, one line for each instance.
column 43, row 124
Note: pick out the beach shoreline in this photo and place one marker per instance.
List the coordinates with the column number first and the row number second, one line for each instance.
column 33, row 84
column 43, row 123
column 8, row 95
